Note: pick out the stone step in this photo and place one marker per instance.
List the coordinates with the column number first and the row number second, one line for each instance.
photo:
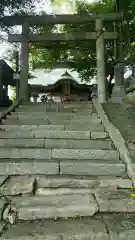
column 54, row 182
column 72, row 203
column 60, row 107
column 54, row 134
column 54, row 185
column 50, row 206
column 92, row 168
column 55, row 106
column 35, row 114
column 60, row 154
column 60, row 121
column 83, row 126
column 101, row 227
column 14, row 166
column 68, row 126
column 86, row 154
column 30, row 127
column 56, row 109
column 87, row 118
column 55, row 143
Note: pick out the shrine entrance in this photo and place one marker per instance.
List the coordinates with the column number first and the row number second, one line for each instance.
column 98, row 36
column 64, row 89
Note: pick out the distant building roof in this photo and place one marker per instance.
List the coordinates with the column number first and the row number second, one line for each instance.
column 64, row 76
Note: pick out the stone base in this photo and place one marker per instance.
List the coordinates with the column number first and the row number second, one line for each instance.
column 118, row 95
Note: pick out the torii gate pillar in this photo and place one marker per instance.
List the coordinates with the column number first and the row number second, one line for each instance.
column 101, row 78
column 23, row 93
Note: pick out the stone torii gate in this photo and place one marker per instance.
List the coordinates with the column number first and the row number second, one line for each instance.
column 99, row 35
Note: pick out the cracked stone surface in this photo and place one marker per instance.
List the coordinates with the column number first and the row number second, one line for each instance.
column 115, row 200
column 54, row 206
column 18, row 185
column 121, row 227
column 83, row 229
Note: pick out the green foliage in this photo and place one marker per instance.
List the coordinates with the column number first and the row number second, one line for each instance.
column 13, row 96
column 14, row 5
column 84, row 52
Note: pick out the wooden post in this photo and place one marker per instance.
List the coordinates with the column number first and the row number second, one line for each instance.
column 24, row 64
column 100, row 62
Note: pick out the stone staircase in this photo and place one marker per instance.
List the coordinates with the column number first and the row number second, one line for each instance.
column 57, row 163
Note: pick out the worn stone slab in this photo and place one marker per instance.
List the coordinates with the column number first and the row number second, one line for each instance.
column 28, row 117
column 84, row 127
column 68, row 205
column 30, row 127
column 99, row 135
column 121, row 226
column 21, row 167
column 25, row 122
column 62, row 134
column 77, row 144
column 115, row 200
column 62, row 191
column 85, row 154
column 64, row 182
column 16, row 134
column 114, row 182
column 92, row 168
column 54, row 111
column 69, row 229
column 18, row 185
column 46, row 116
column 22, row 143
column 24, row 153
column 87, row 119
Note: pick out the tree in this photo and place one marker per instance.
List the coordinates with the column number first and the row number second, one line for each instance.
column 84, row 53
column 14, row 5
